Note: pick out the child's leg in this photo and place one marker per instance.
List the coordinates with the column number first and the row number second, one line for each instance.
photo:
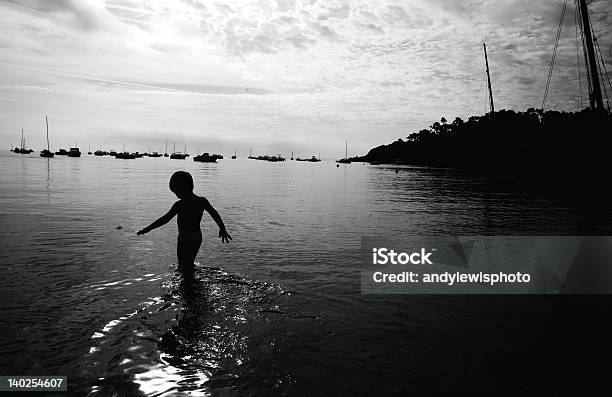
column 186, row 251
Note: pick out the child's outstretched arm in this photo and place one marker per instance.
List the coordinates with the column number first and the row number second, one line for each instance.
column 161, row 221
column 225, row 237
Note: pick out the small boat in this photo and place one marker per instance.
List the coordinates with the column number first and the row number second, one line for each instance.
column 275, row 159
column 74, row 152
column 89, row 150
column 125, row 156
column 46, row 152
column 113, row 153
column 268, row 158
column 218, row 156
column 62, row 152
column 291, row 155
column 313, row 159
column 99, row 153
column 155, row 154
column 205, row 158
column 234, row 156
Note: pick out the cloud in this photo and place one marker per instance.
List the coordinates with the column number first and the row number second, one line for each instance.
column 86, row 14
column 279, row 70
column 30, row 88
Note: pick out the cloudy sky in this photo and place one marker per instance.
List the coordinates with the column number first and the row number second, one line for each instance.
column 274, row 75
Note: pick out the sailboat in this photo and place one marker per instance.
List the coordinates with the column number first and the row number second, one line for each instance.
column 155, row 154
column 22, row 149
column 89, row 150
column 205, row 158
column 125, row 155
column 234, row 156
column 178, row 155
column 345, row 160
column 46, row 152
column 74, row 152
column 166, row 152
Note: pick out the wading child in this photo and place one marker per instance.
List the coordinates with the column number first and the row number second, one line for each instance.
column 189, row 209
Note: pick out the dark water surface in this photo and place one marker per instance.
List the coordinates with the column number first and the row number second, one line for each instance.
column 278, row 311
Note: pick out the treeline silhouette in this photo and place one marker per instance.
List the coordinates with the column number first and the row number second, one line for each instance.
column 531, row 140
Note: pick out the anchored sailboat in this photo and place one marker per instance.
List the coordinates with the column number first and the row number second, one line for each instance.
column 592, row 57
column 22, row 149
column 345, row 160
column 46, row 152
column 178, row 155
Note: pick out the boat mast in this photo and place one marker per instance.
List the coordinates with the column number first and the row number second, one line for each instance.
column 488, row 77
column 595, row 97
column 47, row 122
column 345, row 149
column 22, row 141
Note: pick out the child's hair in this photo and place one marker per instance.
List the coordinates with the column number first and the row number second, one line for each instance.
column 181, row 181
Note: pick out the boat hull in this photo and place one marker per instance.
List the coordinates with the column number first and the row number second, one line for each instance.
column 202, row 159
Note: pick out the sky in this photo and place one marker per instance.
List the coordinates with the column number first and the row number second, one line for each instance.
column 282, row 76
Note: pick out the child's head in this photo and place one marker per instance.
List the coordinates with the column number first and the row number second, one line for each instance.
column 181, row 183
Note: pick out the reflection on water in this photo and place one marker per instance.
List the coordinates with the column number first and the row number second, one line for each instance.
column 199, row 336
column 278, row 310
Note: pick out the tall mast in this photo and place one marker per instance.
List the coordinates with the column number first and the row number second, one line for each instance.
column 22, row 141
column 488, row 78
column 345, row 149
column 595, row 97
column 47, row 122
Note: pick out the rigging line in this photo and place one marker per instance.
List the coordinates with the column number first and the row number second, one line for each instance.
column 477, row 94
column 601, row 76
column 486, row 100
column 603, row 64
column 552, row 62
column 586, row 60
column 577, row 51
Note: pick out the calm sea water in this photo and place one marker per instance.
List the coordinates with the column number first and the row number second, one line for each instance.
column 278, row 311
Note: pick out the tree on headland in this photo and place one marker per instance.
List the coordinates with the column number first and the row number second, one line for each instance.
column 504, row 138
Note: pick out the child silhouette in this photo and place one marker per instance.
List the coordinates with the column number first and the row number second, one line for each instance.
column 189, row 209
